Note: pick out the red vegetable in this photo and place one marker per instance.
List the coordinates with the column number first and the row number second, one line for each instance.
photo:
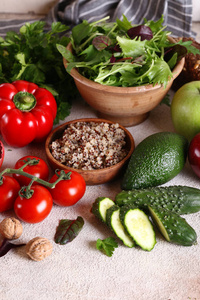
column 68, row 192
column 36, row 208
column 9, row 189
column 39, row 170
column 142, row 31
column 27, row 113
column 194, row 154
column 2, row 153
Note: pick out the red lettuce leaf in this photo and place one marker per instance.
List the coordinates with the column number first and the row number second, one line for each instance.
column 101, row 42
column 179, row 49
column 7, row 246
column 142, row 31
column 68, row 230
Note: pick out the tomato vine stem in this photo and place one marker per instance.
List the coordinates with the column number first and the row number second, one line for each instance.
column 26, row 191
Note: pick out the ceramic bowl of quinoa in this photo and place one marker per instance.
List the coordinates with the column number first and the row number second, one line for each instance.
column 98, row 149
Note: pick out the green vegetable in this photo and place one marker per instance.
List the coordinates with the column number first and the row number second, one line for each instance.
column 100, row 206
column 107, row 246
column 156, row 160
column 138, row 226
column 174, row 228
column 178, row 199
column 32, row 55
column 68, row 230
column 114, row 222
column 107, row 53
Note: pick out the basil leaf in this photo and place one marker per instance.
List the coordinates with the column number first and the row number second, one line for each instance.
column 68, row 230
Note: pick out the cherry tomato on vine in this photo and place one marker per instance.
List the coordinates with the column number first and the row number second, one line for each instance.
column 194, row 154
column 70, row 191
column 2, row 152
column 8, row 192
column 36, row 208
column 39, row 170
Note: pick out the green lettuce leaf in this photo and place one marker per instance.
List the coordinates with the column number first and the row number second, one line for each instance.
column 133, row 48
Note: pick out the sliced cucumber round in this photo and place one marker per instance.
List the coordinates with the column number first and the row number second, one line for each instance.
column 139, row 227
column 114, row 222
column 100, row 206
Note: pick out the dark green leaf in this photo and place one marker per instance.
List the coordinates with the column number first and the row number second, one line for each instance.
column 172, row 61
column 107, row 246
column 81, row 31
column 58, row 27
column 155, row 26
column 65, row 53
column 166, row 100
column 63, row 108
column 124, row 24
column 68, row 230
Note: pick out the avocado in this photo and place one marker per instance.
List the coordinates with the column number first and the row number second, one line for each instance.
column 155, row 161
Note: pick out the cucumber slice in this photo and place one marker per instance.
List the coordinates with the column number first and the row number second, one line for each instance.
column 138, row 226
column 100, row 206
column 173, row 227
column 114, row 222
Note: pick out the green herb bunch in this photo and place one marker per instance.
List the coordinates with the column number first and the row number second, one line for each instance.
column 32, row 55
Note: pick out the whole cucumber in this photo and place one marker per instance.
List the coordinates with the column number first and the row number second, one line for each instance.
column 173, row 227
column 178, row 199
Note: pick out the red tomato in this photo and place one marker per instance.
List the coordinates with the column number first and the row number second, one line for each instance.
column 35, row 209
column 194, row 154
column 68, row 192
column 2, row 152
column 8, row 193
column 40, row 170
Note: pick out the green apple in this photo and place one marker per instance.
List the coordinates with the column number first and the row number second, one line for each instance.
column 185, row 110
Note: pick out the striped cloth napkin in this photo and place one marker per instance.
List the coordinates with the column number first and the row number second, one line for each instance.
column 177, row 13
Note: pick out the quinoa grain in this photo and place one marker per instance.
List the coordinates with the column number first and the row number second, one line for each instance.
column 90, row 145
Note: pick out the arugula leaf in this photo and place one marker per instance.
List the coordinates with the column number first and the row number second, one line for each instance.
column 124, row 24
column 68, row 230
column 81, row 31
column 105, row 72
column 107, row 246
column 155, row 26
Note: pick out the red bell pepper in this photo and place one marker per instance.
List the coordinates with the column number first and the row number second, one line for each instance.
column 27, row 113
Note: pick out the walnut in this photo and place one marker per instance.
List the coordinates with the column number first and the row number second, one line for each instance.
column 11, row 228
column 38, row 248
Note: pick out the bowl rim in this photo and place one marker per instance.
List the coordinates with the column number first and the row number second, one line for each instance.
column 62, row 126
column 127, row 90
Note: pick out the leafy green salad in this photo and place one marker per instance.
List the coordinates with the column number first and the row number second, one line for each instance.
column 120, row 54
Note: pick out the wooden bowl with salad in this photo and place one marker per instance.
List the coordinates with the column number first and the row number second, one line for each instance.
column 120, row 70
column 98, row 149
